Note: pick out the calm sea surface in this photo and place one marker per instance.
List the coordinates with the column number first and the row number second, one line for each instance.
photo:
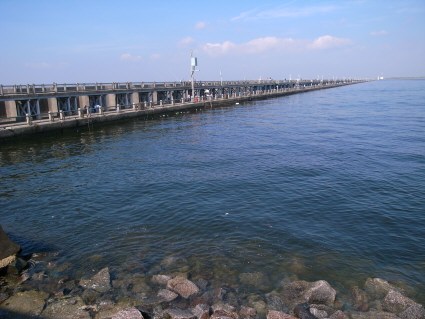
column 321, row 185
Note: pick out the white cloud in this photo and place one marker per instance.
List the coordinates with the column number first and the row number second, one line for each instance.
column 200, row 25
column 328, row 41
column 130, row 57
column 378, row 33
column 283, row 12
column 186, row 41
column 266, row 44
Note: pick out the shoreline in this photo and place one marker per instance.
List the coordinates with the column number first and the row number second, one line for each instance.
column 34, row 286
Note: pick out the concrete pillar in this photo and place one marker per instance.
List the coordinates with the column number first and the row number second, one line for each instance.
column 51, row 118
column 83, row 100
column 11, row 109
column 80, row 113
column 155, row 97
column 61, row 115
column 110, row 101
column 135, row 97
column 52, row 104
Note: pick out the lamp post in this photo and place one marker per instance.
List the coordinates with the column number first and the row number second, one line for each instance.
column 193, row 65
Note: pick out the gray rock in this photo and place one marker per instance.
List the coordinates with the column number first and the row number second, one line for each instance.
column 89, row 296
column 28, row 303
column 360, row 299
column 395, row 302
column 273, row 314
column 182, row 286
column 160, row 279
column 179, row 314
column 8, row 249
column 415, row 311
column 274, row 302
column 378, row 288
column 302, row 311
column 224, row 311
column 129, row 313
column 338, row 315
column 321, row 314
column 320, row 292
column 100, row 282
column 373, row 314
column 201, row 311
column 247, row 312
column 256, row 279
column 72, row 308
column 167, row 295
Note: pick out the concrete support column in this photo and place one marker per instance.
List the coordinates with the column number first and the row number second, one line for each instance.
column 11, row 109
column 52, row 104
column 110, row 101
column 135, row 97
column 83, row 101
column 155, row 97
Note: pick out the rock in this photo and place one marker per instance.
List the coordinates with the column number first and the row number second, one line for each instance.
column 395, row 302
column 160, row 279
column 129, row 313
column 273, row 314
column 247, row 312
column 321, row 314
column 274, row 302
column 167, row 295
column 8, row 249
column 72, row 308
column 89, row 296
column 338, row 315
column 256, row 279
column 373, row 314
column 17, row 266
column 415, row 311
column 360, row 299
column 179, row 314
column 28, row 303
column 378, row 288
column 302, row 311
column 100, row 282
column 258, row 304
column 182, row 286
column 320, row 292
column 224, row 311
column 201, row 311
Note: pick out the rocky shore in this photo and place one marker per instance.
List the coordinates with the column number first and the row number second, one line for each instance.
column 33, row 286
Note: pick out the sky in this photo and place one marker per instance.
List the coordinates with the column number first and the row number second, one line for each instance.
column 87, row 41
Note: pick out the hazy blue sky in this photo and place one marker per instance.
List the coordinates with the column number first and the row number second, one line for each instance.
column 103, row 41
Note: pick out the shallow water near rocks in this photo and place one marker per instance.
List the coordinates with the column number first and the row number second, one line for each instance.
column 322, row 185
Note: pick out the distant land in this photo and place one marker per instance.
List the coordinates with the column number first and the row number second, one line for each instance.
column 406, row 78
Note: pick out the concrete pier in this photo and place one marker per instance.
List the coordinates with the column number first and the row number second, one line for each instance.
column 27, row 110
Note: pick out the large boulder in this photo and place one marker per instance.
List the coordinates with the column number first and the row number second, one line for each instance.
column 318, row 292
column 415, row 311
column 100, row 282
column 395, row 302
column 182, row 286
column 8, row 249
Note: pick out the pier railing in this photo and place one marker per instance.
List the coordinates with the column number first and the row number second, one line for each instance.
column 55, row 88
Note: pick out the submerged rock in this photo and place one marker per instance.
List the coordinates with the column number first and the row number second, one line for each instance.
column 101, row 282
column 247, row 312
column 179, row 314
column 319, row 292
column 72, row 308
column 201, row 311
column 273, row 314
column 373, row 314
column 167, row 295
column 8, row 249
column 396, row 302
column 378, row 288
column 28, row 303
column 182, row 286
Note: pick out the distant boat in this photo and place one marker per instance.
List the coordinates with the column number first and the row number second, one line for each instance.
column 380, row 77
